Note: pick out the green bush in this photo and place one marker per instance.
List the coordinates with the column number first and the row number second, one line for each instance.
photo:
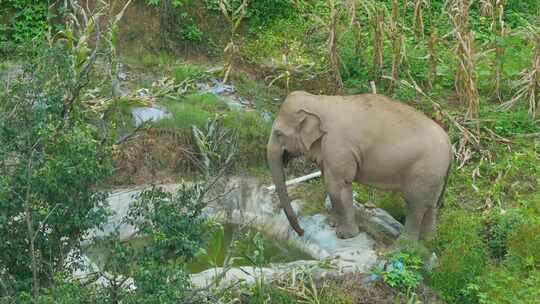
column 278, row 296
column 269, row 43
column 498, row 227
column 28, row 20
column 63, row 291
column 499, row 285
column 462, row 255
column 119, row 118
column 159, row 282
column 160, row 215
column 524, row 247
column 191, row 32
column 58, row 163
column 260, row 12
column 404, row 268
column 508, row 123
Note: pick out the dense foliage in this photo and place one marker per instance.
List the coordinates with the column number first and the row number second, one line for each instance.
column 51, row 162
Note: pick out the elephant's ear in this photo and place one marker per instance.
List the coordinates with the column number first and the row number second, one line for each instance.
column 310, row 128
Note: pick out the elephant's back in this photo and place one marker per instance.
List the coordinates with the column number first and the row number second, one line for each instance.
column 393, row 123
column 390, row 111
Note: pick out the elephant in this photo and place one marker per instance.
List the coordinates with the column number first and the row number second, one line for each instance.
column 370, row 139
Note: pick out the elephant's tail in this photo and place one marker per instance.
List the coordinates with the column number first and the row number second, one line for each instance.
column 441, row 195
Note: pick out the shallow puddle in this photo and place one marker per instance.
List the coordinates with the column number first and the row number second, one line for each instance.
column 244, row 252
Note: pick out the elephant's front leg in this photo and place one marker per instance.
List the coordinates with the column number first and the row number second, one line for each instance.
column 340, row 193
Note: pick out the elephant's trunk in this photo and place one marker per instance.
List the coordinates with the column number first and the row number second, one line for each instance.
column 275, row 155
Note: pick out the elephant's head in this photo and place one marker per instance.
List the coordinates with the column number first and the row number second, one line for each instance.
column 294, row 132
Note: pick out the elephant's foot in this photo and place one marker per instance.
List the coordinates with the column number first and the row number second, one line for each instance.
column 332, row 220
column 347, row 231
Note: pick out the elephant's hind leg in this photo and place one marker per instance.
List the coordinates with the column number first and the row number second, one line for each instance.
column 428, row 223
column 421, row 197
column 413, row 220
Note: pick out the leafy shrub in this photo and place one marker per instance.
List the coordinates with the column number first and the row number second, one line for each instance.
column 159, row 215
column 215, row 145
column 498, row 228
column 524, row 247
column 404, row 268
column 260, row 12
column 58, row 162
column 508, row 123
column 29, row 20
column 63, row 291
column 462, row 255
column 159, row 282
column 500, row 285
column 278, row 296
column 191, row 32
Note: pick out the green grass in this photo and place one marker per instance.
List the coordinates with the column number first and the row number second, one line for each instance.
column 118, row 115
column 387, row 200
column 265, row 98
column 252, row 132
column 313, row 193
column 160, row 59
column 192, row 110
column 186, row 71
column 250, row 128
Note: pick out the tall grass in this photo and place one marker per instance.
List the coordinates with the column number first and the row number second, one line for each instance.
column 465, row 81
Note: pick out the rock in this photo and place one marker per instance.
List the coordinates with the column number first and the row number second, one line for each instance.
column 378, row 223
column 431, row 262
column 370, row 205
column 202, row 86
column 214, row 70
column 370, row 279
column 266, row 116
column 219, row 88
column 122, row 76
column 231, row 103
column 327, row 203
column 144, row 114
column 142, row 93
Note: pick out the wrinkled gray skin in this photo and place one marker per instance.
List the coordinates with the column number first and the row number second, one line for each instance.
column 367, row 138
